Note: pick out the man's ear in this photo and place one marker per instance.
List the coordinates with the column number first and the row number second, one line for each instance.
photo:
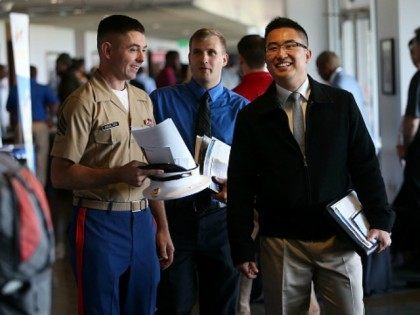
column 308, row 55
column 225, row 59
column 106, row 49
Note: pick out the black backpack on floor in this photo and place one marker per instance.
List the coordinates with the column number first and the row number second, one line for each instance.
column 26, row 242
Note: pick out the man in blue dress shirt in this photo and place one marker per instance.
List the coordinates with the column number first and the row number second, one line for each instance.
column 329, row 68
column 44, row 107
column 202, row 260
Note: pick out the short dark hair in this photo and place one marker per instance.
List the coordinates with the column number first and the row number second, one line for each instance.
column 33, row 72
column 417, row 31
column 203, row 33
column 117, row 24
column 411, row 42
column 252, row 49
column 282, row 22
column 172, row 57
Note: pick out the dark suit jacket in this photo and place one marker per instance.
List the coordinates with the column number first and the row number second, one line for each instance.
column 290, row 190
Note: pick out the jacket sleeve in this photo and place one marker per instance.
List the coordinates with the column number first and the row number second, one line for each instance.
column 242, row 179
column 365, row 173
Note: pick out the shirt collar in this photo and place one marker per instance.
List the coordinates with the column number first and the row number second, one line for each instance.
column 198, row 90
column 334, row 74
column 283, row 94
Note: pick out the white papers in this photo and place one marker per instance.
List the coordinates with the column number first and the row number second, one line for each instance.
column 213, row 157
column 349, row 214
column 163, row 144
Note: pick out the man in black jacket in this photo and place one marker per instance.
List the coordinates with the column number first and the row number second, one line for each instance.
column 291, row 174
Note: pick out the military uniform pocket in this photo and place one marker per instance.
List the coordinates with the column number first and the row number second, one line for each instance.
column 103, row 136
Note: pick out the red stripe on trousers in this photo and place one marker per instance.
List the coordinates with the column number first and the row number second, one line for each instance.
column 80, row 239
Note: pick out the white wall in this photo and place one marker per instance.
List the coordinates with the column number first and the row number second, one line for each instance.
column 90, row 50
column 45, row 43
column 253, row 13
column 311, row 15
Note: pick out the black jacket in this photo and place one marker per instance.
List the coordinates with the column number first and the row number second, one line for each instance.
column 268, row 171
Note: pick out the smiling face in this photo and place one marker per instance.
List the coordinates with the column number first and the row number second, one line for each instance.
column 207, row 58
column 122, row 56
column 288, row 67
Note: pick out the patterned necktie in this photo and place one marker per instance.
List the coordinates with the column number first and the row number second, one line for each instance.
column 203, row 128
column 203, row 122
column 298, row 127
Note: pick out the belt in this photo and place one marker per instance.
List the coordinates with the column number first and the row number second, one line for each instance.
column 133, row 206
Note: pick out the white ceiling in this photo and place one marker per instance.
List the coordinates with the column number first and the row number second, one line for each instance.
column 165, row 19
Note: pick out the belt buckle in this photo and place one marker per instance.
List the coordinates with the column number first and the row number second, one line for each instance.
column 135, row 206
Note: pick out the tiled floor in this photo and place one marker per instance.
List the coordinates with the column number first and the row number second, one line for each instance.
column 399, row 301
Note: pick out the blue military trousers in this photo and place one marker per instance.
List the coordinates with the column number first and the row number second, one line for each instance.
column 114, row 258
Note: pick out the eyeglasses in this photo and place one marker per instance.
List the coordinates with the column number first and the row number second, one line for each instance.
column 288, row 46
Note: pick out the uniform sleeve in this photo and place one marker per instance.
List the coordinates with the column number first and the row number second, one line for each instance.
column 73, row 129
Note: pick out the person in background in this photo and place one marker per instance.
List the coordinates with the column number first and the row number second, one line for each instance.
column 144, row 81
column 44, row 108
column 255, row 78
column 230, row 74
column 117, row 237
column 329, row 68
column 202, row 263
column 254, row 82
column 287, row 164
column 68, row 82
column 185, row 73
column 170, row 72
column 78, row 67
column 407, row 201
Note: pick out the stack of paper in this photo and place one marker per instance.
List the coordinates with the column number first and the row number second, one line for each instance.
column 213, row 157
column 163, row 144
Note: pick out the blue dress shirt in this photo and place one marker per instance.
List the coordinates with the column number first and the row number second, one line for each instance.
column 180, row 102
column 41, row 97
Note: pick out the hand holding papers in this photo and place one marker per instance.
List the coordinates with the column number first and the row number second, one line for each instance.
column 348, row 213
column 163, row 145
column 213, row 157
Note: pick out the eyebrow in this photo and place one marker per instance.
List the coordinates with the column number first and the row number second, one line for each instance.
column 285, row 42
column 139, row 46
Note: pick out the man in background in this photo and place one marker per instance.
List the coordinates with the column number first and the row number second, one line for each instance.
column 254, row 82
column 255, row 78
column 407, row 202
column 144, row 81
column 68, row 81
column 170, row 72
column 44, row 108
column 330, row 69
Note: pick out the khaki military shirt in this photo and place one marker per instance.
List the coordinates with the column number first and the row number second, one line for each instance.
column 94, row 130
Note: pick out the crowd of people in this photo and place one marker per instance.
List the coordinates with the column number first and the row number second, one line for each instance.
column 267, row 225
